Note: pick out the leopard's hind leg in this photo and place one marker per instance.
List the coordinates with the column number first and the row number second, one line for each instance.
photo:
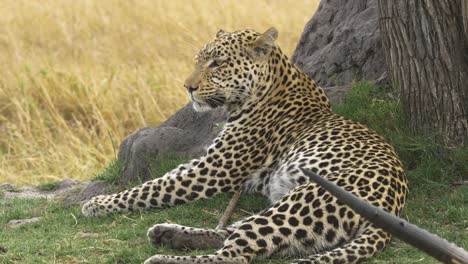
column 287, row 226
column 368, row 243
column 307, row 221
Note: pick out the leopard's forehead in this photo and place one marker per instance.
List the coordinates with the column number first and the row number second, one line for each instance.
column 225, row 42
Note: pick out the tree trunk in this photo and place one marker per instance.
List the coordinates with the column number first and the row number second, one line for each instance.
column 426, row 50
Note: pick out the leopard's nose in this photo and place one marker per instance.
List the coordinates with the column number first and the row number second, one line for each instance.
column 190, row 88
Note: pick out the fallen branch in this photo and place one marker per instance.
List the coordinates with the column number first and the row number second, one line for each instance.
column 229, row 210
column 459, row 183
column 433, row 245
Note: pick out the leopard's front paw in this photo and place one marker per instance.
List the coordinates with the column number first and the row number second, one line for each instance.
column 305, row 261
column 161, row 234
column 212, row 259
column 94, row 207
column 162, row 259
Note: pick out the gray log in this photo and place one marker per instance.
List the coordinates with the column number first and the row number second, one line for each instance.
column 186, row 134
column 342, row 43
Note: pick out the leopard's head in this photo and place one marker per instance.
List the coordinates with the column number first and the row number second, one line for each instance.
column 229, row 68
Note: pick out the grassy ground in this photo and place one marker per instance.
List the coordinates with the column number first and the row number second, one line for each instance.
column 79, row 76
column 436, row 203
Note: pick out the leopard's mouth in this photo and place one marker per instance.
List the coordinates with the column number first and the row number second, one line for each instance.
column 209, row 102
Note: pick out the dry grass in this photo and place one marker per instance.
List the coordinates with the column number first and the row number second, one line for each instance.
column 78, row 76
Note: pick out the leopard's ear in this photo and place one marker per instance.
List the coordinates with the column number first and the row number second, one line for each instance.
column 264, row 43
column 220, row 33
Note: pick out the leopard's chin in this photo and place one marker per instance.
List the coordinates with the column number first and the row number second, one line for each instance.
column 201, row 107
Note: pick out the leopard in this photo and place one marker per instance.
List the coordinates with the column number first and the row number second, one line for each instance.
column 280, row 121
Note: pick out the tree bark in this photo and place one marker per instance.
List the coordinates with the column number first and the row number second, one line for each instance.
column 426, row 51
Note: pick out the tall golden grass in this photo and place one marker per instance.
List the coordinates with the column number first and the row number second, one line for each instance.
column 76, row 77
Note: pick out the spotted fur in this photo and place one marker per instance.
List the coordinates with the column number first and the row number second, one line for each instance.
column 280, row 121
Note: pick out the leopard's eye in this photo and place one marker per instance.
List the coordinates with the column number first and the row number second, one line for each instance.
column 216, row 63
